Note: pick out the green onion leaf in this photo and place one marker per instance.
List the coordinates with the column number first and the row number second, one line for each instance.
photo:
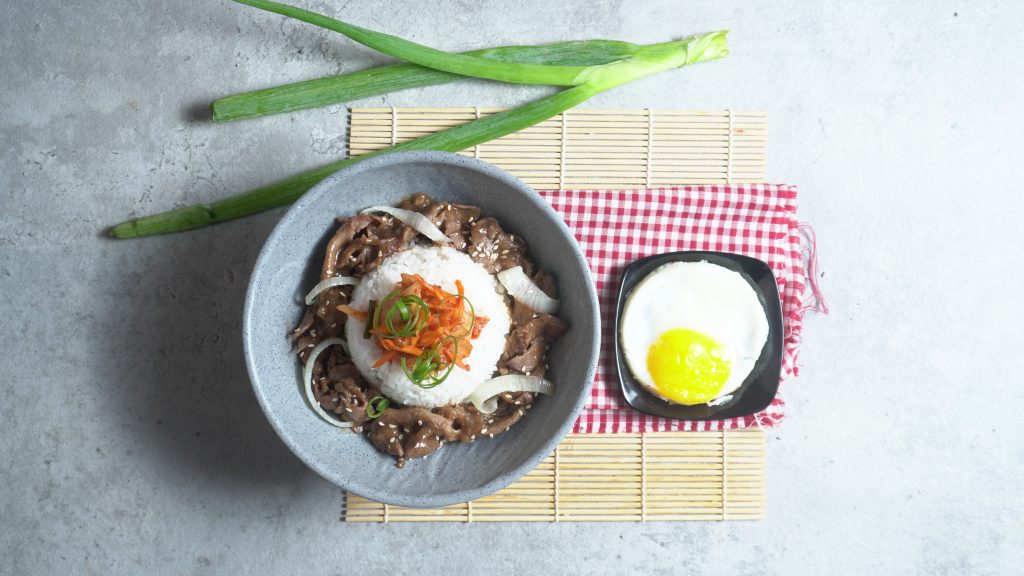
column 376, row 406
column 412, row 321
column 464, row 64
column 371, row 313
column 396, row 77
column 651, row 59
column 424, row 372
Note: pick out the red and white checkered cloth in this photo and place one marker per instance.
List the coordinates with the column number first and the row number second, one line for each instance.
column 615, row 227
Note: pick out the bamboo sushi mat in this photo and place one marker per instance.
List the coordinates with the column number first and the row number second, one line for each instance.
column 655, row 476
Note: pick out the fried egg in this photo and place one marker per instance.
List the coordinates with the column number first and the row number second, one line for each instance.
column 691, row 332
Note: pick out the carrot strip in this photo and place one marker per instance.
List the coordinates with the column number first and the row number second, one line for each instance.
column 410, row 350
column 447, row 318
column 385, row 358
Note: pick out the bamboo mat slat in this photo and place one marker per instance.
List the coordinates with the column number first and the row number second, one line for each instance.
column 664, row 476
column 589, row 148
column 617, row 478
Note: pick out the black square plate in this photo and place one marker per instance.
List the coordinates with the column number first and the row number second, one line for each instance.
column 759, row 388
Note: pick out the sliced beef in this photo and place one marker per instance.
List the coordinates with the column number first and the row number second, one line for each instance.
column 340, row 388
column 342, row 240
column 546, row 283
column 495, row 249
column 305, row 324
column 360, row 244
column 527, row 344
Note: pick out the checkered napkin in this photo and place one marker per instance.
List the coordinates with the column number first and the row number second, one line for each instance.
column 615, row 227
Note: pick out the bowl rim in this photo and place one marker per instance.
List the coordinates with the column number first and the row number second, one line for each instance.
column 758, row 389
column 461, row 494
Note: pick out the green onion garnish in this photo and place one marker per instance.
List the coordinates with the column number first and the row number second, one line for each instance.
column 410, row 311
column 376, row 406
column 370, row 310
column 424, row 372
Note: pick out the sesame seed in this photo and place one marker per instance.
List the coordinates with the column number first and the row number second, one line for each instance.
column 520, row 412
column 473, row 437
column 419, row 422
column 392, row 426
column 518, row 402
column 390, row 440
column 348, row 409
column 484, row 431
column 379, row 423
column 401, row 436
column 491, row 435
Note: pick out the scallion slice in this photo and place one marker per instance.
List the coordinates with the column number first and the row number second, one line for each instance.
column 376, row 406
column 402, row 316
column 426, row 371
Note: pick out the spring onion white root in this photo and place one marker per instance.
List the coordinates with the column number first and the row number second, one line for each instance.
column 329, row 283
column 307, row 381
column 418, row 221
column 485, row 397
column 523, row 289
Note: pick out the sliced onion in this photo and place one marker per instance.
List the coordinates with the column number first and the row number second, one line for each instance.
column 485, row 397
column 523, row 289
column 418, row 221
column 329, row 283
column 307, row 381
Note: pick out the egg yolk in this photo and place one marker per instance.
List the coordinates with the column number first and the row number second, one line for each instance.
column 687, row 366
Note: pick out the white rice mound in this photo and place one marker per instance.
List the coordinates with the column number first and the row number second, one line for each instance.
column 440, row 266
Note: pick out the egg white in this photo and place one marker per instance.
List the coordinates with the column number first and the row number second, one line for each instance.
column 698, row 296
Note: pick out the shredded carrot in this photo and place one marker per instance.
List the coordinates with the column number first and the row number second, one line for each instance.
column 446, row 326
column 387, row 357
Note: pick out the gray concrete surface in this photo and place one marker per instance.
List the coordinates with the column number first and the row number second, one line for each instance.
column 131, row 440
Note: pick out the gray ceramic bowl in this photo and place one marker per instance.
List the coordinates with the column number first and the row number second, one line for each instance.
column 288, row 266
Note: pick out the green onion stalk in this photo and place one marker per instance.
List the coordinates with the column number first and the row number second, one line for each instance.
column 396, row 77
column 584, row 82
